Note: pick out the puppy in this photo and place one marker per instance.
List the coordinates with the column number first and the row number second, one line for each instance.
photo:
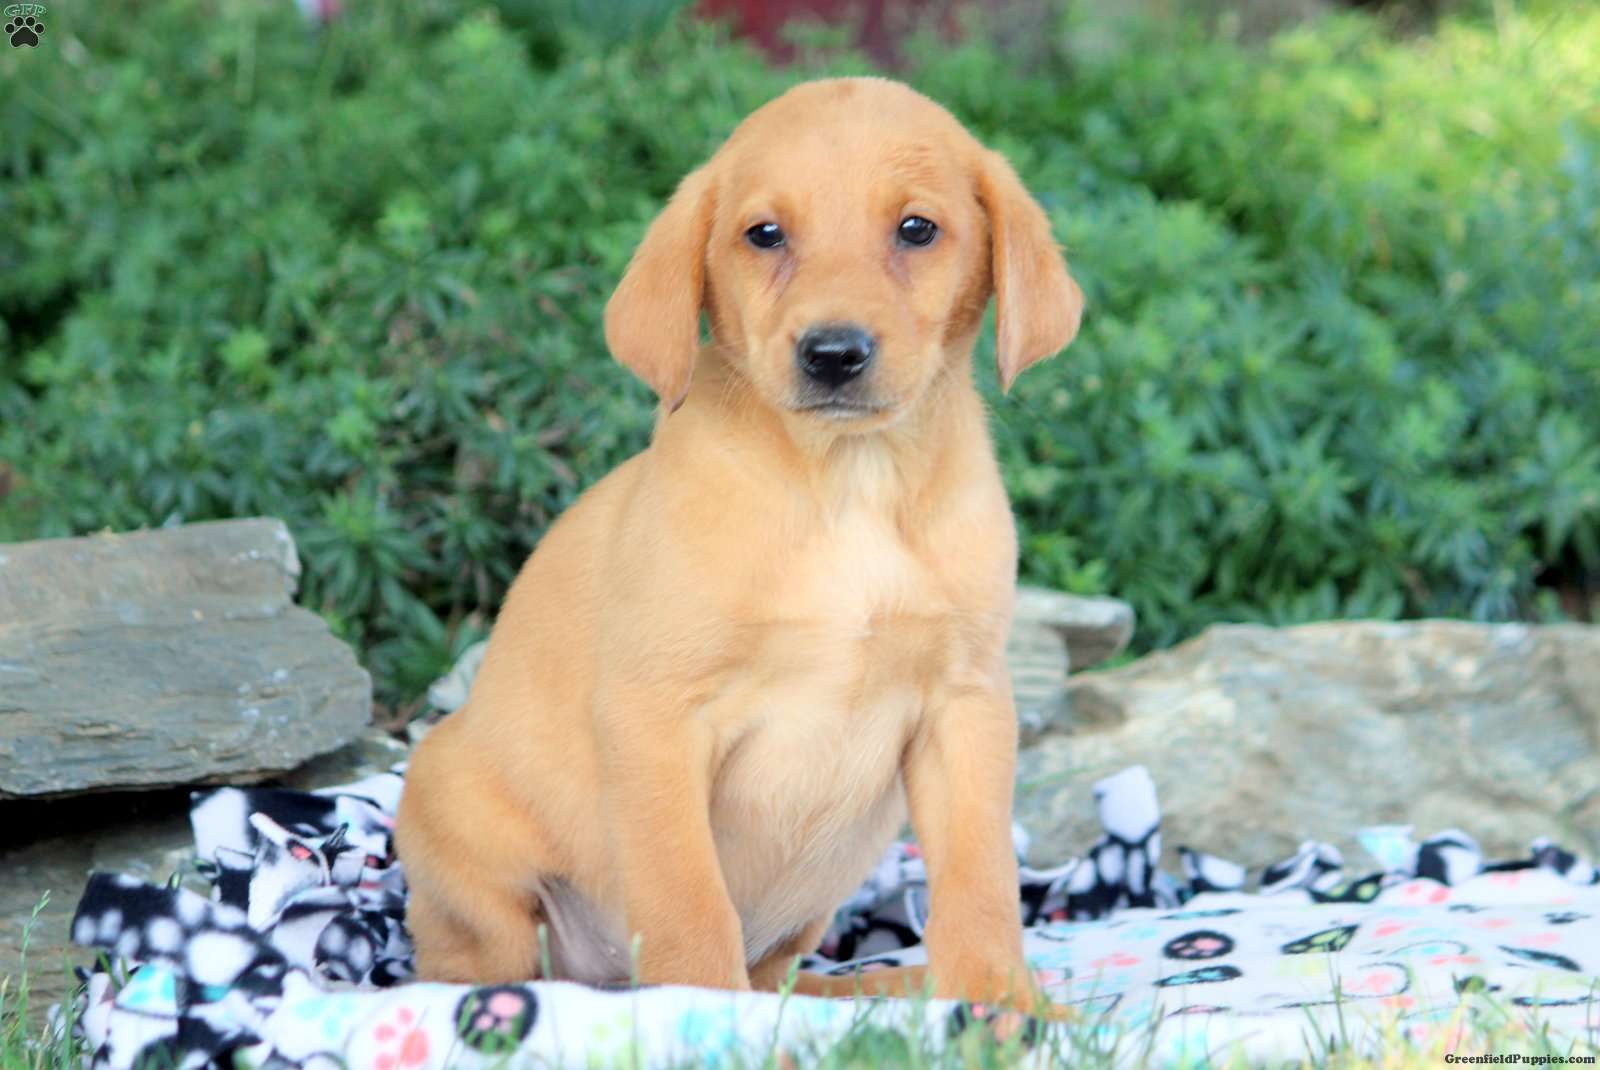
column 732, row 667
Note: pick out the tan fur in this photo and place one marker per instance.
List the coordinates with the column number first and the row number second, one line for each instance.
column 731, row 668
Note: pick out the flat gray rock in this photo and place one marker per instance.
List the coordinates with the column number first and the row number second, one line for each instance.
column 1053, row 634
column 165, row 657
column 372, row 752
column 449, row 692
column 1259, row 738
column 1093, row 628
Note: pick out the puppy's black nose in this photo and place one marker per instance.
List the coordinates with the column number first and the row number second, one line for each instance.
column 835, row 354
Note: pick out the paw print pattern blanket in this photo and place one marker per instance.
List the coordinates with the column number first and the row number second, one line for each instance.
column 298, row 956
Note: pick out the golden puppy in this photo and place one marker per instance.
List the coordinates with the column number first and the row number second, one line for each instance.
column 727, row 670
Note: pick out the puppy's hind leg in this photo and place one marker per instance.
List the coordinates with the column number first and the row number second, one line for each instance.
column 905, row 982
column 476, row 932
column 774, row 971
column 471, row 907
column 914, row 982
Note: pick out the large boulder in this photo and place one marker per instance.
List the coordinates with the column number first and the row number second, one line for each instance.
column 165, row 657
column 1258, row 738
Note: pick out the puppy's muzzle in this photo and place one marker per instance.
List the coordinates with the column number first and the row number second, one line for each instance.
column 833, row 354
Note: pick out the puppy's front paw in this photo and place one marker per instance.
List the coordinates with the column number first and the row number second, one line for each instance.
column 1058, row 1013
column 1008, row 1024
column 1012, row 990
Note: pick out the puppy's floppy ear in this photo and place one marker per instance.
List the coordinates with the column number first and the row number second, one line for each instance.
column 1037, row 305
column 653, row 318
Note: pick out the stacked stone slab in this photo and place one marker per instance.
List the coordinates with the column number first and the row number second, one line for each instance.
column 165, row 657
column 138, row 662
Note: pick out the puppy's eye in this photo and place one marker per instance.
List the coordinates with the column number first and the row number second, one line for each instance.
column 765, row 235
column 915, row 230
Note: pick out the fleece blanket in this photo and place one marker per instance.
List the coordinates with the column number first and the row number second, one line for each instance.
column 298, row 956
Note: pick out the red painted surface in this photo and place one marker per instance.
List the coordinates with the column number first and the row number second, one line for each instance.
column 880, row 24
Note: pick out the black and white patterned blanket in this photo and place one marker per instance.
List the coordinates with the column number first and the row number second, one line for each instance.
column 298, row 957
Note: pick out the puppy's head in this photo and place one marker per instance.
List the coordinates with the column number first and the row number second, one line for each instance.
column 844, row 243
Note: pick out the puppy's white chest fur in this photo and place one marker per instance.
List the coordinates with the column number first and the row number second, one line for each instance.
column 848, row 564
column 805, row 801
column 807, row 791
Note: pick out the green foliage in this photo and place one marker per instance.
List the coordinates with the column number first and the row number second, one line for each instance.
column 1346, row 355
column 1340, row 358
column 28, row 1040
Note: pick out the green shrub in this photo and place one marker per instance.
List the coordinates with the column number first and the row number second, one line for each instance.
column 1347, row 355
column 1341, row 355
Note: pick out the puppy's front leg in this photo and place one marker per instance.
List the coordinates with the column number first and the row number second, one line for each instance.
column 657, row 792
column 958, row 774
